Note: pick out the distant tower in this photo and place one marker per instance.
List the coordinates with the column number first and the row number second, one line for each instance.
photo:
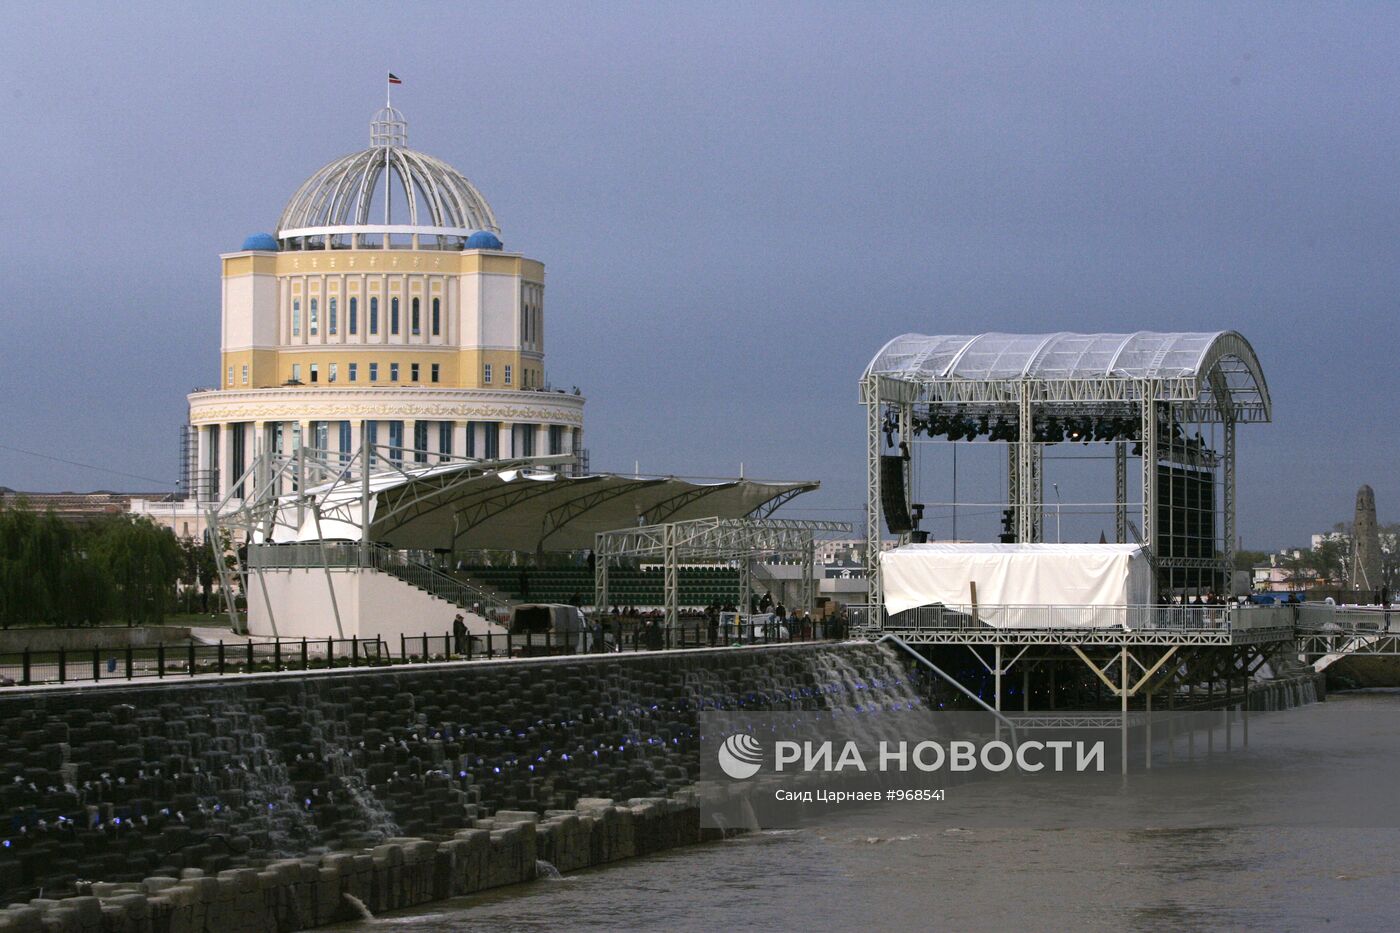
column 1366, row 543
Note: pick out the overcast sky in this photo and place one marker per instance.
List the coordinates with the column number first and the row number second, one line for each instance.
column 737, row 205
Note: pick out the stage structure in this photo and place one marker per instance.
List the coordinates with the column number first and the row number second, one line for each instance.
column 362, row 543
column 1170, row 401
column 740, row 541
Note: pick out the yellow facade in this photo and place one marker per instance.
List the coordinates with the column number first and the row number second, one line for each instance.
column 297, row 276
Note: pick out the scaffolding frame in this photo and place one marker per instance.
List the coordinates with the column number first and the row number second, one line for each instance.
column 1221, row 384
column 740, row 541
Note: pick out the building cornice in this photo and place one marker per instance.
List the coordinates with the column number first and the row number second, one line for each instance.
column 314, row 404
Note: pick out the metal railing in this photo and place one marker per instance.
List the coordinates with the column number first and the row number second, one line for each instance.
column 161, row 662
column 617, row 635
column 1185, row 618
column 354, row 556
column 61, row 666
column 1328, row 619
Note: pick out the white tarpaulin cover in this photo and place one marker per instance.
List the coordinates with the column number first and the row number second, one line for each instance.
column 1100, row 578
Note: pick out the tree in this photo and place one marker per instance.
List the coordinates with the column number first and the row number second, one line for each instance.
column 1248, row 560
column 43, row 580
column 1329, row 561
column 1390, row 555
column 142, row 561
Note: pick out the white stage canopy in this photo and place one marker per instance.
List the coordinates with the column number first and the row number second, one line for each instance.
column 461, row 507
column 1092, row 577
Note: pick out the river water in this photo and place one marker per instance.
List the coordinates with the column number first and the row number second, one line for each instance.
column 904, row 869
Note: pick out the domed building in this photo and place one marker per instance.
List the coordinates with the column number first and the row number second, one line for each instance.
column 384, row 303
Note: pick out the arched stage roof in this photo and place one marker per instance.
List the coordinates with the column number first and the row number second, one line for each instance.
column 1216, row 370
column 457, row 506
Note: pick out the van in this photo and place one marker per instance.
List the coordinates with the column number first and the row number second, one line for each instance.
column 560, row 626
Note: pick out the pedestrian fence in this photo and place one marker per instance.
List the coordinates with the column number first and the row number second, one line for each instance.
column 161, row 662
column 126, row 662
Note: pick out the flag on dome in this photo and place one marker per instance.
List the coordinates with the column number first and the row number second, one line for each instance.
column 394, row 79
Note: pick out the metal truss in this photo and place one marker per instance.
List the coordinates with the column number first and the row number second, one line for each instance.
column 760, row 513
column 1087, row 637
column 1163, row 407
column 559, row 516
column 739, row 540
column 1322, row 650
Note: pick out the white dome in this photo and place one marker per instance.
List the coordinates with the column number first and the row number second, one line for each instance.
column 427, row 205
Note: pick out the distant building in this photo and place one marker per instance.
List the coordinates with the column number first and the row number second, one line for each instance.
column 73, row 506
column 383, row 309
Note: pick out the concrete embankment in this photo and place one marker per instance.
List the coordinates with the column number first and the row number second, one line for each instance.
column 128, row 782
column 112, row 638
column 304, row 893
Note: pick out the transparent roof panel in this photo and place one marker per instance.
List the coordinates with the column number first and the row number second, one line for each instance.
column 1141, row 355
column 1224, row 356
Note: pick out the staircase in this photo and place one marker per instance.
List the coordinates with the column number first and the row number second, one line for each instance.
column 436, row 583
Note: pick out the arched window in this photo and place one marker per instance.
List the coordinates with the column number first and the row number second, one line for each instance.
column 296, row 318
column 394, row 315
column 354, row 314
column 330, row 315
column 413, row 315
column 437, row 316
column 312, row 318
column 374, row 314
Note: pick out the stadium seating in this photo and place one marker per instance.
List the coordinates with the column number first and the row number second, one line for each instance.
column 699, row 586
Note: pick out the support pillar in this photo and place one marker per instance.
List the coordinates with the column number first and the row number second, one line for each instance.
column 872, row 500
column 1228, row 504
column 671, row 577
column 1149, row 473
column 906, row 437
column 1120, row 491
column 201, row 465
column 542, row 440
column 601, row 601
column 809, row 559
column 1123, row 694
column 997, row 678
column 1025, row 455
column 459, row 438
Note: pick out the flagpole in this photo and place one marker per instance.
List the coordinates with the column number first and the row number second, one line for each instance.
column 388, row 105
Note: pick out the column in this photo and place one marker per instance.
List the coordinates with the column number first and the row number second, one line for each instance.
column 201, row 463
column 355, row 439
column 505, row 447
column 227, row 477
column 541, row 439
column 459, row 438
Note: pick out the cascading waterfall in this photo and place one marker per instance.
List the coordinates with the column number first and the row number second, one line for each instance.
column 330, row 740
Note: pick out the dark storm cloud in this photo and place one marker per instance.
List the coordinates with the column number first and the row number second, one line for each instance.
column 737, row 206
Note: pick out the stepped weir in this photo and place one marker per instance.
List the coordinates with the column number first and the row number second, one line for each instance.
column 128, row 782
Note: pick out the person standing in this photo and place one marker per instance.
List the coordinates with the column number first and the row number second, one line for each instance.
column 459, row 634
